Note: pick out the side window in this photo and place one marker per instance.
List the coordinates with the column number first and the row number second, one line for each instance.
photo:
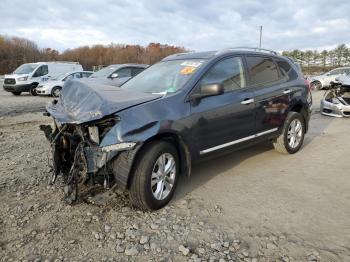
column 68, row 77
column 335, row 72
column 77, row 75
column 287, row 72
column 86, row 74
column 229, row 71
column 136, row 70
column 41, row 71
column 262, row 70
column 124, row 72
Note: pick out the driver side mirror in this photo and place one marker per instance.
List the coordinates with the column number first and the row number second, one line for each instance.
column 114, row 75
column 208, row 90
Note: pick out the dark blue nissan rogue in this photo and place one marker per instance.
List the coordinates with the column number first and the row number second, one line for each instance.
column 188, row 107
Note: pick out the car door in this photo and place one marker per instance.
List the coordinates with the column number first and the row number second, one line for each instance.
column 40, row 73
column 227, row 119
column 272, row 94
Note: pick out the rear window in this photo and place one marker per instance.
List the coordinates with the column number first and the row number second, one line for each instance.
column 262, row 70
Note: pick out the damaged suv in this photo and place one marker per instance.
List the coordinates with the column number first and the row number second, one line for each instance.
column 188, row 107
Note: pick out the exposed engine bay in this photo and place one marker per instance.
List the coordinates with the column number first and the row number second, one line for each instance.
column 77, row 157
column 336, row 101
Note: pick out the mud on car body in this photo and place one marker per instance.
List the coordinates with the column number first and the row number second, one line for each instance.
column 184, row 109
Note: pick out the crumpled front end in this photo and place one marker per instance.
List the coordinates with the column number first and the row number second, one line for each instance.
column 77, row 155
column 336, row 101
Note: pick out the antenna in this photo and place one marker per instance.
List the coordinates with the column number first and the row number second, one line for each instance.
column 260, row 36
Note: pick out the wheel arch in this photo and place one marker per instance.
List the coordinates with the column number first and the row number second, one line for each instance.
column 53, row 88
column 124, row 163
column 299, row 108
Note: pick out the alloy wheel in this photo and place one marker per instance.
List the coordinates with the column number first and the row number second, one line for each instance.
column 163, row 176
column 295, row 133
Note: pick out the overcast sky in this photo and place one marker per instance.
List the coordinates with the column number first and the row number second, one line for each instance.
column 195, row 24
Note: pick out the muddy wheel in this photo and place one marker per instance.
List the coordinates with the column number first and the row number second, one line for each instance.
column 56, row 91
column 32, row 90
column 155, row 177
column 16, row 93
column 292, row 137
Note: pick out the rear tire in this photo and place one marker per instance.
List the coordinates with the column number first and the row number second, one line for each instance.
column 32, row 90
column 16, row 93
column 292, row 136
column 151, row 188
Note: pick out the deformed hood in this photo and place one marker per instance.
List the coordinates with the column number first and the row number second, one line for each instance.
column 81, row 102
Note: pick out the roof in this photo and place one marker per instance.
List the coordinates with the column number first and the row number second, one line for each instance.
column 129, row 64
column 211, row 54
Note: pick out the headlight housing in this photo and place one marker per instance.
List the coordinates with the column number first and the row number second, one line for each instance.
column 118, row 147
column 24, row 78
column 94, row 134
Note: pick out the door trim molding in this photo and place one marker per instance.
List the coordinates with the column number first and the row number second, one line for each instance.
column 205, row 151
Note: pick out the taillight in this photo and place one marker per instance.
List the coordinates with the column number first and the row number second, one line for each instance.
column 307, row 82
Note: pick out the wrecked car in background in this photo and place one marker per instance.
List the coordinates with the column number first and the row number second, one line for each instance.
column 142, row 136
column 324, row 81
column 336, row 101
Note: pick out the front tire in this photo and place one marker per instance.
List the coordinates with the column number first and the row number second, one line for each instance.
column 292, row 136
column 16, row 93
column 155, row 176
column 56, row 91
column 32, row 90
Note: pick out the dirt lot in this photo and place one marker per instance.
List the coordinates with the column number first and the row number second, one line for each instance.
column 252, row 205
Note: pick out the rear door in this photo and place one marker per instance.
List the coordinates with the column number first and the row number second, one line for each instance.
column 227, row 119
column 272, row 93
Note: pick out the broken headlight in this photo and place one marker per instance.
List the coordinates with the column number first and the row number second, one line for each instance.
column 118, row 147
column 94, row 134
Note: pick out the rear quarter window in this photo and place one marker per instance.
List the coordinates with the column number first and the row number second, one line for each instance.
column 287, row 72
column 262, row 71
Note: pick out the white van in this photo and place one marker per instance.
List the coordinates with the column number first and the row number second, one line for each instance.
column 28, row 76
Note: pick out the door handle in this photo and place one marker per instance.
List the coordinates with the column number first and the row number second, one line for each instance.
column 287, row 91
column 247, row 101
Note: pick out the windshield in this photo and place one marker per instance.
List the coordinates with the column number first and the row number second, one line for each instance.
column 164, row 77
column 25, row 69
column 105, row 72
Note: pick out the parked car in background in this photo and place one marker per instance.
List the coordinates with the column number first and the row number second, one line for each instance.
column 27, row 77
column 117, row 74
column 324, row 81
column 336, row 100
column 55, row 84
column 186, row 108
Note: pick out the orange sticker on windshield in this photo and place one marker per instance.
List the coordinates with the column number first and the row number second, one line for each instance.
column 187, row 70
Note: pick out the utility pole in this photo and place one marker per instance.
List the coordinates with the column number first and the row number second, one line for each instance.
column 260, row 36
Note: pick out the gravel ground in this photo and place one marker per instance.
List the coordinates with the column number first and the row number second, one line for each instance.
column 252, row 205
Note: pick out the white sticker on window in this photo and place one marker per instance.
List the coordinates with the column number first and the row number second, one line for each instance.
column 192, row 63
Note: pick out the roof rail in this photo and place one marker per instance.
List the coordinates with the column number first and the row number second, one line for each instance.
column 66, row 62
column 252, row 49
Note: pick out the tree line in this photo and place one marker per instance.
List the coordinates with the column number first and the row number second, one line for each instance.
column 320, row 61
column 15, row 51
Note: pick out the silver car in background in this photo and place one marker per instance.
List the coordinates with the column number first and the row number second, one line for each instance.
column 324, row 81
column 54, row 85
column 116, row 75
